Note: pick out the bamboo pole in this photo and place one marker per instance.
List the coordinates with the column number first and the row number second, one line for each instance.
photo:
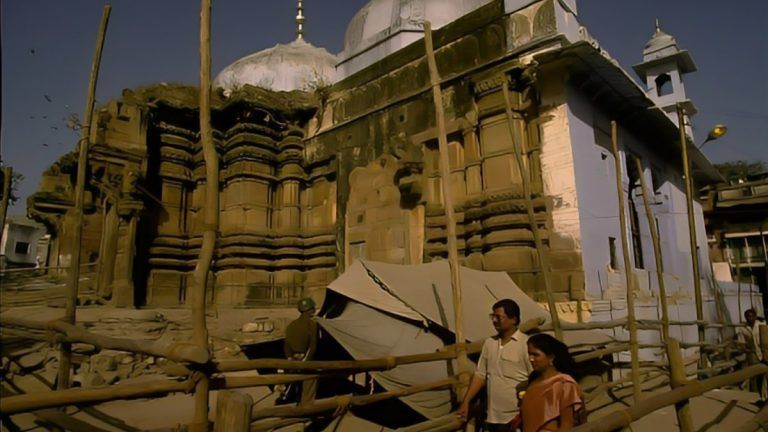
column 445, row 172
column 343, row 365
column 718, row 303
column 448, row 422
column 600, row 353
column 691, row 228
column 6, row 191
column 211, row 216
column 756, row 423
column 331, row 404
column 235, row 382
column 65, row 353
column 591, row 394
column 677, row 379
column 233, row 412
column 179, row 352
column 57, row 398
column 275, row 424
column 66, row 422
column 627, row 265
column 656, row 252
column 527, row 192
column 624, row 417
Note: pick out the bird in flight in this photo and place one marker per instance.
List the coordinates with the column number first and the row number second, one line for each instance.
column 48, row 98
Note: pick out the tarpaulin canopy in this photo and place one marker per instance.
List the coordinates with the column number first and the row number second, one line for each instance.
column 391, row 305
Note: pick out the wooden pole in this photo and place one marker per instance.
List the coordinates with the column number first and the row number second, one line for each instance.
column 624, row 417
column 691, row 229
column 65, row 353
column 526, row 180
column 656, row 252
column 445, row 171
column 178, row 352
column 757, row 423
column 7, row 175
column 344, row 365
column 632, row 324
column 233, row 412
column 763, row 342
column 677, row 379
column 718, row 303
column 330, row 404
column 211, row 216
column 36, row 401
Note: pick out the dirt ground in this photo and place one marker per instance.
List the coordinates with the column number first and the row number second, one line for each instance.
column 30, row 366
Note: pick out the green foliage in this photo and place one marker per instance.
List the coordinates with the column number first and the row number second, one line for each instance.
column 737, row 170
column 16, row 179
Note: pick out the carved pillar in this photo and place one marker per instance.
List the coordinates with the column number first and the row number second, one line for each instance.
column 123, row 288
column 291, row 205
column 473, row 162
column 108, row 251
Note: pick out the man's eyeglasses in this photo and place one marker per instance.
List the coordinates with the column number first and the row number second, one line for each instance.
column 495, row 317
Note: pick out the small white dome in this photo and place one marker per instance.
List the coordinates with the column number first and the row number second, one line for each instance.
column 382, row 27
column 295, row 66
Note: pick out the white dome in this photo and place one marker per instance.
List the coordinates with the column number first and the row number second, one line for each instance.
column 295, row 66
column 382, row 27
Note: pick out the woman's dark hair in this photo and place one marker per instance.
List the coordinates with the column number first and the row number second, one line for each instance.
column 563, row 361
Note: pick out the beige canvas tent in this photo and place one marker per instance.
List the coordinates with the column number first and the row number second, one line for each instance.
column 391, row 308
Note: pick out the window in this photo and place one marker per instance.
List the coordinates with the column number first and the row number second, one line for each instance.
column 21, row 248
column 663, row 85
column 613, row 265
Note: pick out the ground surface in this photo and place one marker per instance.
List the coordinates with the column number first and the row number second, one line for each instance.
column 29, row 365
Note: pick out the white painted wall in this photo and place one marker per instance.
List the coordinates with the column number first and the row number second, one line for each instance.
column 593, row 167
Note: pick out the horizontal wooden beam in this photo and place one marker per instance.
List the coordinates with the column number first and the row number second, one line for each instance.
column 344, row 365
column 623, row 418
column 178, row 352
column 57, row 398
column 331, row 404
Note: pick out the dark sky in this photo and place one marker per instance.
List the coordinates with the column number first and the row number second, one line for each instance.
column 47, row 47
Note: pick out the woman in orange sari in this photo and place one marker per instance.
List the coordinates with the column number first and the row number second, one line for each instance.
column 553, row 401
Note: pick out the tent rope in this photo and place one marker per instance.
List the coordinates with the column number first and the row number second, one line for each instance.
column 424, row 319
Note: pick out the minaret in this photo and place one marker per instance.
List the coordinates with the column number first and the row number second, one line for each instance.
column 662, row 70
column 300, row 21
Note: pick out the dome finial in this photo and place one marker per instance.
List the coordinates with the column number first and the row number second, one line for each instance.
column 658, row 26
column 300, row 21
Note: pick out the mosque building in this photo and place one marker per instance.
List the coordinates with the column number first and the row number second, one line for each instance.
column 325, row 159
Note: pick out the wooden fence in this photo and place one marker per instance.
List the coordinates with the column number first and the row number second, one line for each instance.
column 233, row 406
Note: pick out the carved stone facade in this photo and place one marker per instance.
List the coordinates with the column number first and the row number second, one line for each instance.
column 311, row 181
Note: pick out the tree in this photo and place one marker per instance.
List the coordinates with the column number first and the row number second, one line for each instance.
column 740, row 169
column 16, row 179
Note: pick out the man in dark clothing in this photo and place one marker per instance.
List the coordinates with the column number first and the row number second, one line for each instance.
column 301, row 343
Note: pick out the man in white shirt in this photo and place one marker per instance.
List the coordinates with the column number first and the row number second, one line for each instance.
column 749, row 338
column 502, row 365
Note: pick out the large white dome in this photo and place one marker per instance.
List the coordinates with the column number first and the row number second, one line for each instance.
column 296, row 66
column 382, row 27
